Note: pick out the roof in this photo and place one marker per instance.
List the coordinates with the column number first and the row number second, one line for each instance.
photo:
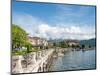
column 75, row 41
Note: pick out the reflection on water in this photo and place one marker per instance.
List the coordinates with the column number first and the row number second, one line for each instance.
column 75, row 60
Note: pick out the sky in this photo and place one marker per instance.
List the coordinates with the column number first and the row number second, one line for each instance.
column 55, row 21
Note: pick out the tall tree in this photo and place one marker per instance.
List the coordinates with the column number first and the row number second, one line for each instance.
column 19, row 36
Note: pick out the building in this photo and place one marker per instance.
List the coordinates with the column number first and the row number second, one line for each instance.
column 35, row 41
column 38, row 42
column 44, row 42
column 72, row 42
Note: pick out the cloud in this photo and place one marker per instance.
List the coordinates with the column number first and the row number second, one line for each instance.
column 35, row 27
column 71, row 32
column 26, row 21
column 75, row 14
column 72, row 10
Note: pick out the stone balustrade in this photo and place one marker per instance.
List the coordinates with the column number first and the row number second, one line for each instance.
column 31, row 62
column 33, row 57
column 16, row 64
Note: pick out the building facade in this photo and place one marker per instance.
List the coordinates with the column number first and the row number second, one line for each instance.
column 72, row 42
column 38, row 42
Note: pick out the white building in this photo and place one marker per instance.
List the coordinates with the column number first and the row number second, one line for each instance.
column 37, row 41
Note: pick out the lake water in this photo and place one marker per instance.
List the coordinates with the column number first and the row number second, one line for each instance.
column 75, row 60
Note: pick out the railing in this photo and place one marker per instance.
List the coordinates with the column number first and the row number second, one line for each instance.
column 30, row 62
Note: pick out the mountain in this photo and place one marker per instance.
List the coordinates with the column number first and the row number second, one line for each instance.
column 56, row 40
column 91, row 42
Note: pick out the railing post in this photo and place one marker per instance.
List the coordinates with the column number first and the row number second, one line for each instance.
column 34, row 57
column 17, row 66
column 40, row 55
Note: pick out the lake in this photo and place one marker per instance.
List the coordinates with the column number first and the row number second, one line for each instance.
column 75, row 60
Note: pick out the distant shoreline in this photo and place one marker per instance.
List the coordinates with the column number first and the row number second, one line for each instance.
column 74, row 49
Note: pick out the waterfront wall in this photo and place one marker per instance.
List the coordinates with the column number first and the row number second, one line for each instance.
column 32, row 62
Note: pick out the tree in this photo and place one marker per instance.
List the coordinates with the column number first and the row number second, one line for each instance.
column 63, row 44
column 54, row 44
column 19, row 37
column 73, row 46
column 83, row 46
column 89, row 46
column 28, row 46
column 78, row 46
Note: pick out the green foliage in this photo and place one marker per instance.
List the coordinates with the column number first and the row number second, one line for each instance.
column 75, row 46
column 36, row 49
column 29, row 47
column 83, row 46
column 91, row 42
column 19, row 52
column 19, row 37
column 63, row 44
column 89, row 46
column 54, row 44
column 78, row 46
column 47, row 47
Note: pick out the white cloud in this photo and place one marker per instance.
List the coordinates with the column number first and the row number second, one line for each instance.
column 35, row 27
column 26, row 21
column 71, row 32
